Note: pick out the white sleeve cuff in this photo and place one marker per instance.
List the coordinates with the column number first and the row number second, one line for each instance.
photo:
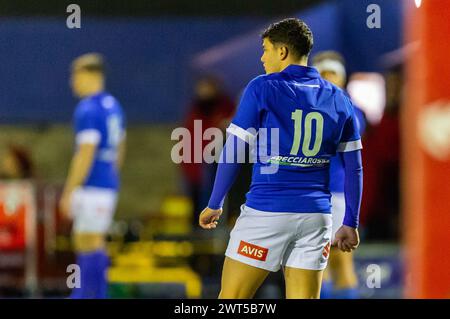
column 244, row 135
column 89, row 136
column 350, row 146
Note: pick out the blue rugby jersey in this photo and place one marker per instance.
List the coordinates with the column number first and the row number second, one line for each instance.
column 314, row 120
column 99, row 119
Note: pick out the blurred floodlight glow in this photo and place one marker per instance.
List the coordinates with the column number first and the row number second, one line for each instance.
column 368, row 92
column 418, row 3
column 434, row 130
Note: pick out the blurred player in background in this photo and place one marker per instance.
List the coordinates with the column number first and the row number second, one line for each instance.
column 90, row 192
column 286, row 220
column 340, row 272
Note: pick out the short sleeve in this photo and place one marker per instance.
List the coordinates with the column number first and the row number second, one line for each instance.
column 350, row 139
column 245, row 123
column 86, row 127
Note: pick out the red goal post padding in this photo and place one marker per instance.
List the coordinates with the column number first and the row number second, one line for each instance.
column 426, row 150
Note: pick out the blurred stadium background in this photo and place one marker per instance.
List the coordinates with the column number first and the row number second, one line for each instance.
column 160, row 54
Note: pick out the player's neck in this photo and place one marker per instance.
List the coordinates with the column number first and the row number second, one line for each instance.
column 288, row 62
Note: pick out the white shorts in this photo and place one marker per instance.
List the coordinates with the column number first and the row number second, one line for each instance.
column 270, row 240
column 337, row 211
column 92, row 209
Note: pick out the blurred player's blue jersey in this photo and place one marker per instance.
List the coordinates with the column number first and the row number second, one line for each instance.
column 337, row 173
column 314, row 118
column 99, row 119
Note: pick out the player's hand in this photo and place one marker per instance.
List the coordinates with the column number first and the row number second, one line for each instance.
column 209, row 218
column 64, row 205
column 346, row 238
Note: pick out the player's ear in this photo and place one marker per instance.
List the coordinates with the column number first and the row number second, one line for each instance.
column 283, row 51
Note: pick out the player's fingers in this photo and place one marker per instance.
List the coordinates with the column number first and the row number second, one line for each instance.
column 204, row 223
column 213, row 225
column 207, row 223
column 352, row 243
column 348, row 246
column 207, row 226
column 343, row 247
column 205, row 219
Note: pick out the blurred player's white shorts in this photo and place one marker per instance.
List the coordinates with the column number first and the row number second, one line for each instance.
column 92, row 209
column 270, row 240
column 337, row 211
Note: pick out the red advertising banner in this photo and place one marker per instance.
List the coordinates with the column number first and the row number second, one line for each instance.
column 16, row 200
column 18, row 259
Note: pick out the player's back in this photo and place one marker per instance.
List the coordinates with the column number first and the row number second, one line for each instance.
column 313, row 119
column 101, row 117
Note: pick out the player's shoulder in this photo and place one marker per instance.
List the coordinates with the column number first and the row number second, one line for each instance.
column 267, row 78
column 260, row 82
column 340, row 96
column 109, row 102
column 100, row 101
column 85, row 106
column 332, row 88
column 257, row 81
column 89, row 106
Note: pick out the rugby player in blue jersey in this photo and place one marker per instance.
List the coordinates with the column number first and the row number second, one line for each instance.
column 90, row 192
column 286, row 219
column 340, row 280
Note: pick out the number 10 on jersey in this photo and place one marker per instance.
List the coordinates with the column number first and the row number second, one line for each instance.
column 297, row 116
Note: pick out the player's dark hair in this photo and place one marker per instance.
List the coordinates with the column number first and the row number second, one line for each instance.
column 292, row 32
column 328, row 55
column 92, row 62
